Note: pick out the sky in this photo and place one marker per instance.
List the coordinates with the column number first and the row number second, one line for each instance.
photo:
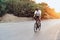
column 52, row 3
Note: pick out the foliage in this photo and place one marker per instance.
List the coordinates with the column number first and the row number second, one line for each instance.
column 21, row 8
column 18, row 8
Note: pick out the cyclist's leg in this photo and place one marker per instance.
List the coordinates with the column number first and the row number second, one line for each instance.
column 39, row 18
column 35, row 27
column 39, row 23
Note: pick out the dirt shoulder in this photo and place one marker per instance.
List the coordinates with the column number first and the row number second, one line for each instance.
column 12, row 18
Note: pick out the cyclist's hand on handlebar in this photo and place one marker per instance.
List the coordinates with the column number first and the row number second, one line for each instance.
column 33, row 16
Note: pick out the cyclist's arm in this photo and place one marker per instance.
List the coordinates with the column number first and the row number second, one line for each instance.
column 34, row 13
column 40, row 14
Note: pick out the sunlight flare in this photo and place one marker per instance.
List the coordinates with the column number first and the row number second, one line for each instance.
column 52, row 3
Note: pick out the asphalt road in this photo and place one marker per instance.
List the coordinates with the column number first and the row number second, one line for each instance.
column 50, row 30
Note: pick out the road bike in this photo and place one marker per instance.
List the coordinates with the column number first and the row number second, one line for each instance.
column 37, row 25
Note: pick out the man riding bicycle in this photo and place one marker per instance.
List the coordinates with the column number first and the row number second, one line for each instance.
column 37, row 14
column 37, row 17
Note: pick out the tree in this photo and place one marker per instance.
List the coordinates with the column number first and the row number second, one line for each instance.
column 45, row 10
column 2, row 7
column 21, row 7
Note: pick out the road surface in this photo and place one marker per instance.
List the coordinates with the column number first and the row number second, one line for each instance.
column 50, row 30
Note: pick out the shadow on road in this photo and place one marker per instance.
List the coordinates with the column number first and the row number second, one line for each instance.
column 36, row 36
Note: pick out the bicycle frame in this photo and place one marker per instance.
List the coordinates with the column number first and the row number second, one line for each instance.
column 37, row 24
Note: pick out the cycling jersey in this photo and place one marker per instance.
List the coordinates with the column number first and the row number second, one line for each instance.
column 37, row 13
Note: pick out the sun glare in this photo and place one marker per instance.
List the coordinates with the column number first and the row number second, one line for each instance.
column 52, row 3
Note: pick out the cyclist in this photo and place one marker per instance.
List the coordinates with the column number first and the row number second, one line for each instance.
column 37, row 17
column 37, row 14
